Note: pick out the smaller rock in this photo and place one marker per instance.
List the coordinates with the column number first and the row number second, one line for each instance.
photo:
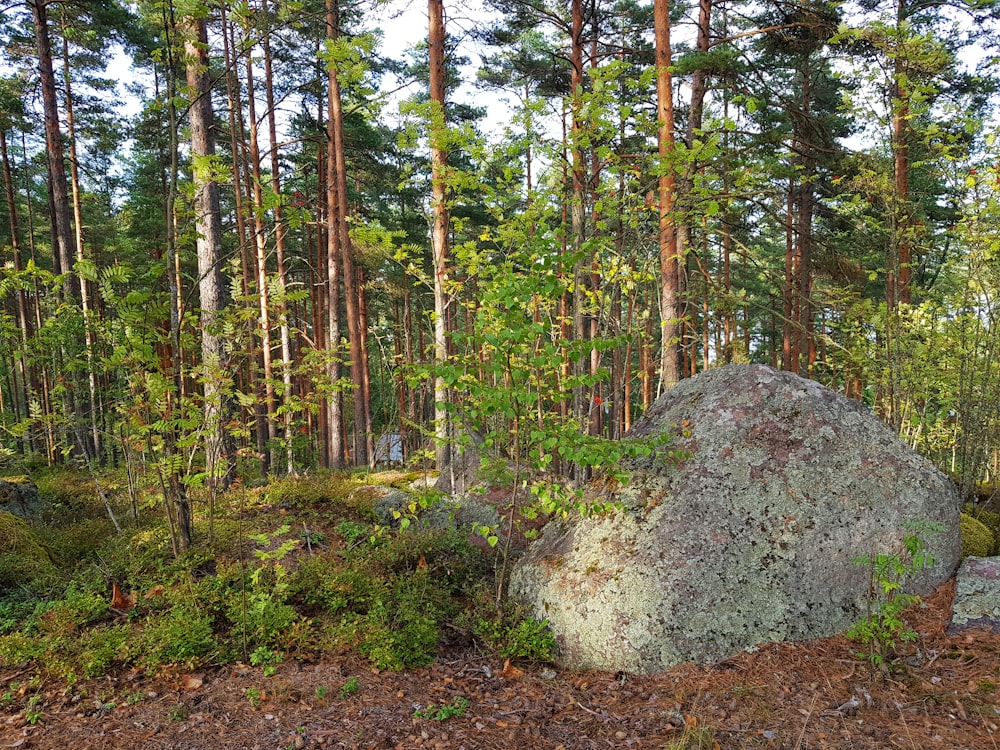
column 461, row 472
column 424, row 482
column 977, row 595
column 390, row 502
column 19, row 496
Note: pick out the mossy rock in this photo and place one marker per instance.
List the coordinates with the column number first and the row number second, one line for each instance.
column 988, row 518
column 23, row 559
column 977, row 539
column 19, row 495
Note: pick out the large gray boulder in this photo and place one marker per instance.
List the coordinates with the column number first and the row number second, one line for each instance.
column 748, row 538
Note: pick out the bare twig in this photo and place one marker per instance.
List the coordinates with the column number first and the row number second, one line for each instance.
column 805, row 724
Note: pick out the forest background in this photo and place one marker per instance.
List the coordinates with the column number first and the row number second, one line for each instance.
column 276, row 265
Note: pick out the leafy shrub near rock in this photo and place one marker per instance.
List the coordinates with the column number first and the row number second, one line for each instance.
column 977, row 539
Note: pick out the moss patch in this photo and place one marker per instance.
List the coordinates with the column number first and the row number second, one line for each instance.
column 977, row 539
column 23, row 560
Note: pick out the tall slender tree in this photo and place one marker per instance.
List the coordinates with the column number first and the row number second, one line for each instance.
column 208, row 223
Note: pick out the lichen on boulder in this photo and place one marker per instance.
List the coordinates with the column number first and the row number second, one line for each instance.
column 749, row 538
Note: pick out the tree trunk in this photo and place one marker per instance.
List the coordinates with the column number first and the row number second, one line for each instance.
column 334, row 402
column 362, row 443
column 24, row 324
column 898, row 282
column 279, row 248
column 62, row 230
column 237, row 147
column 263, row 292
column 94, row 447
column 208, row 222
column 439, row 229
column 670, row 360
column 175, row 495
column 577, row 208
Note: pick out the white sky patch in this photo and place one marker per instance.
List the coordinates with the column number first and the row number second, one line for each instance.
column 405, row 25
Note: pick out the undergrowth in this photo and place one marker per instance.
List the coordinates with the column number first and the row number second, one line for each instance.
column 286, row 571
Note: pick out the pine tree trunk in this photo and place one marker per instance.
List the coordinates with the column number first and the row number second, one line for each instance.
column 362, row 443
column 334, row 403
column 263, row 289
column 439, row 229
column 670, row 359
column 24, row 323
column 94, row 447
column 62, row 230
column 208, row 223
column 247, row 271
column 284, row 332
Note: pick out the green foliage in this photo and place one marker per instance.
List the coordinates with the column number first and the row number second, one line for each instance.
column 988, row 518
column 349, row 688
column 67, row 637
column 401, row 631
column 266, row 659
column 23, row 559
column 183, row 634
column 884, row 627
column 318, row 491
column 254, row 696
column 33, row 711
column 257, row 595
column 514, row 636
column 456, row 708
column 977, row 538
column 66, row 490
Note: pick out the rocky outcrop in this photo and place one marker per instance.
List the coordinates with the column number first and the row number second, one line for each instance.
column 977, row 595
column 743, row 532
column 19, row 496
column 461, row 471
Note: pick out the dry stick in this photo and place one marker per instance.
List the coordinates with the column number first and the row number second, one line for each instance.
column 988, row 730
column 906, row 726
column 802, row 734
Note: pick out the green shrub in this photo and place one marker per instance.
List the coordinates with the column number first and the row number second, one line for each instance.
column 180, row 635
column 977, row 539
column 67, row 490
column 15, row 609
column 403, row 629
column 399, row 639
column 68, row 616
column 101, row 648
column 516, row 637
column 71, row 543
column 23, row 559
column 265, row 618
column 324, row 581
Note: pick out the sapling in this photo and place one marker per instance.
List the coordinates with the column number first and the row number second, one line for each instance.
column 883, row 627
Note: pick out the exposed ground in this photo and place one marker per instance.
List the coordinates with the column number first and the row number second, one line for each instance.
column 783, row 696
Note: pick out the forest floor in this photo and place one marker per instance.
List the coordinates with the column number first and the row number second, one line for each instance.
column 782, row 696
